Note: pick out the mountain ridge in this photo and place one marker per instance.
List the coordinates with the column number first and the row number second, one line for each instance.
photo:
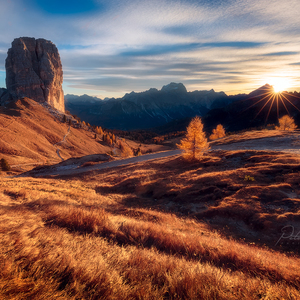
column 171, row 108
column 147, row 109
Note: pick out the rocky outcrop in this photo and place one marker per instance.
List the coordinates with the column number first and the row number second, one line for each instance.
column 34, row 70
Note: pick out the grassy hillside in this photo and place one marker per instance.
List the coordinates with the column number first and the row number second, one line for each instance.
column 162, row 229
column 29, row 132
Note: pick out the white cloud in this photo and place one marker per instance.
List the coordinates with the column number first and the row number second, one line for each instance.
column 92, row 46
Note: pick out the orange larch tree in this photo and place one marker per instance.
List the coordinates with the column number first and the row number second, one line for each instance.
column 195, row 142
column 217, row 133
column 286, row 123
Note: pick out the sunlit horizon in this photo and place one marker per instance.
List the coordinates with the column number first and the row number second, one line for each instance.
column 110, row 48
column 273, row 96
column 279, row 87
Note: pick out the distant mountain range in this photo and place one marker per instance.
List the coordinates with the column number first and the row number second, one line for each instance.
column 260, row 108
column 172, row 107
column 148, row 109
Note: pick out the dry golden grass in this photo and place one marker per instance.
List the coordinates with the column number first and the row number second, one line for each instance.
column 251, row 135
column 29, row 132
column 161, row 229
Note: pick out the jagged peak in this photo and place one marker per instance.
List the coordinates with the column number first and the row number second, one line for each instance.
column 267, row 88
column 174, row 87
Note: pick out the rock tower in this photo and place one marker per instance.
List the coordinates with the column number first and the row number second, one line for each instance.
column 34, row 70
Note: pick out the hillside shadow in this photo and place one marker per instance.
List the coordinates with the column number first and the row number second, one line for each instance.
column 13, row 112
column 249, row 196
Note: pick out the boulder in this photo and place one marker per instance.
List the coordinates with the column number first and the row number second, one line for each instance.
column 34, row 70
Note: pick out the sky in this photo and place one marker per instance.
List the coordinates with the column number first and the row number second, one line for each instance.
column 109, row 48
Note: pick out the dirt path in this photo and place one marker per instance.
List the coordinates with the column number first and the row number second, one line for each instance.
column 289, row 144
column 76, row 169
column 63, row 140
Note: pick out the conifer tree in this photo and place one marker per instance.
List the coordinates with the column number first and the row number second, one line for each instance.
column 286, row 123
column 4, row 165
column 217, row 133
column 195, row 142
column 126, row 151
column 104, row 137
column 138, row 152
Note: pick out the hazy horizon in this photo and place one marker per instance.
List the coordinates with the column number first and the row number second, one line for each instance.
column 110, row 48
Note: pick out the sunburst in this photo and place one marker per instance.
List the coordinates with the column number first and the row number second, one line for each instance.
column 274, row 95
column 279, row 84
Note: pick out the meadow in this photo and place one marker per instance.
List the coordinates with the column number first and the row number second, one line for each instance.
column 162, row 229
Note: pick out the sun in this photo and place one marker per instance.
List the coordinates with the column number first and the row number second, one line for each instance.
column 280, row 84
column 274, row 95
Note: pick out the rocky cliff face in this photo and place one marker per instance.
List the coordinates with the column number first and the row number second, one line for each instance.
column 34, row 70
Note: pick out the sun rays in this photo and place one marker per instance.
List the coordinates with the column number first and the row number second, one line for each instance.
column 274, row 97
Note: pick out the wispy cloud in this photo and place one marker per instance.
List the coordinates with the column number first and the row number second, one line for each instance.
column 283, row 53
column 165, row 49
column 117, row 46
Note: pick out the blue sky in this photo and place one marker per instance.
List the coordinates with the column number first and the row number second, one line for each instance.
column 109, row 48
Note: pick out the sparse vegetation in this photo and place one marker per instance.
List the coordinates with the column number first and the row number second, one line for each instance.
column 218, row 133
column 77, row 118
column 249, row 178
column 286, row 123
column 195, row 142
